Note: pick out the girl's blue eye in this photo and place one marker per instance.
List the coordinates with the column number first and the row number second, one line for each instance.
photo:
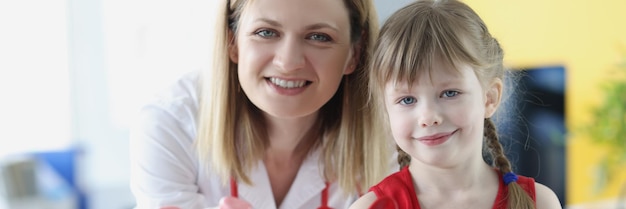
column 320, row 37
column 450, row 93
column 408, row 100
column 265, row 33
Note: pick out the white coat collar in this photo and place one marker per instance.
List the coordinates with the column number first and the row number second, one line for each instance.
column 308, row 184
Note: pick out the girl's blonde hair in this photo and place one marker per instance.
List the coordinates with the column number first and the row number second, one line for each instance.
column 414, row 36
column 232, row 134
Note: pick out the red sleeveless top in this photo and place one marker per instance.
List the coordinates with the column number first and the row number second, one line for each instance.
column 399, row 187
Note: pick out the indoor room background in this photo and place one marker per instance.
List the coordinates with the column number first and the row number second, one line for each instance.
column 73, row 74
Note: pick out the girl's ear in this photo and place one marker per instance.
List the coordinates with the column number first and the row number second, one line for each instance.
column 233, row 51
column 493, row 97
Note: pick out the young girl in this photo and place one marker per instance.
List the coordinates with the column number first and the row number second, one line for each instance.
column 438, row 73
column 279, row 121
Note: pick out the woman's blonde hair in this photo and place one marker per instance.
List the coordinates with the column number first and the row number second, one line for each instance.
column 231, row 132
column 424, row 30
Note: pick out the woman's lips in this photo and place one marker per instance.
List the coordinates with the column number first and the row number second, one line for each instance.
column 287, row 87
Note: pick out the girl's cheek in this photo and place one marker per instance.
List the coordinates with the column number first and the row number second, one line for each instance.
column 401, row 128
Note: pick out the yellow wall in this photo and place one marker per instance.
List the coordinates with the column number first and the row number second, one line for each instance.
column 588, row 38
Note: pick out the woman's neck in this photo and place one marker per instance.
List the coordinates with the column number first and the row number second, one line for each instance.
column 286, row 134
column 289, row 142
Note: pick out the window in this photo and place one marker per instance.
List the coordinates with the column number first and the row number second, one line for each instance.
column 34, row 76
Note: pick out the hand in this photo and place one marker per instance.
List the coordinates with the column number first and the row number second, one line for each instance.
column 233, row 203
column 384, row 203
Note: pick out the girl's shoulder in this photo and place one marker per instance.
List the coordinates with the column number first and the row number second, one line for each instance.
column 546, row 198
column 398, row 187
column 528, row 184
column 393, row 181
column 543, row 196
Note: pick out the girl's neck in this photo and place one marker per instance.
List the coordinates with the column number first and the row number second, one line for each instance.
column 462, row 177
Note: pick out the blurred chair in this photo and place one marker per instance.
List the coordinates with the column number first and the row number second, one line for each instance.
column 18, row 180
column 63, row 162
column 41, row 180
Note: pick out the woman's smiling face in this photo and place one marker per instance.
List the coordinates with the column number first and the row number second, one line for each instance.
column 292, row 54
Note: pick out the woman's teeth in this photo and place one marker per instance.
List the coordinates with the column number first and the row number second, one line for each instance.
column 287, row 84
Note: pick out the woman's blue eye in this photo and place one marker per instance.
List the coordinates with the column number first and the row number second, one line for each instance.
column 265, row 33
column 450, row 93
column 408, row 100
column 320, row 37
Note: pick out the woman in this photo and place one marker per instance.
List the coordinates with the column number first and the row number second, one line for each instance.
column 281, row 115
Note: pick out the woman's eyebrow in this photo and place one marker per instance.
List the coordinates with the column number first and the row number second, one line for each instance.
column 322, row 25
column 309, row 27
column 268, row 21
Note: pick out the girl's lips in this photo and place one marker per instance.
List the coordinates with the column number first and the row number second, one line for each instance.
column 436, row 139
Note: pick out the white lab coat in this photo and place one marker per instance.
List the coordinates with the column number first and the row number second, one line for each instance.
column 165, row 171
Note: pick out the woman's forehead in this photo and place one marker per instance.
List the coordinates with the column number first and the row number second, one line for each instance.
column 304, row 13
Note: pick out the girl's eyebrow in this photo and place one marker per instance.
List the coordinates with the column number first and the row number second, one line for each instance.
column 450, row 81
column 400, row 88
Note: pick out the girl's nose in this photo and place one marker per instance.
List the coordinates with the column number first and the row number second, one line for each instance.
column 289, row 55
column 429, row 115
column 429, row 123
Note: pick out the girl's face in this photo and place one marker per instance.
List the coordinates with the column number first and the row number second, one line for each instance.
column 292, row 54
column 439, row 120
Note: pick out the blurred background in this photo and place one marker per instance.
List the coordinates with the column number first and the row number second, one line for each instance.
column 73, row 74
